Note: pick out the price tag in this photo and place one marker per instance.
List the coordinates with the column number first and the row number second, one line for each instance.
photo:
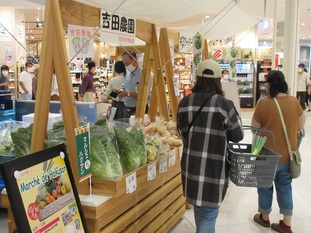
column 180, row 152
column 172, row 158
column 163, row 165
column 152, row 171
column 131, row 183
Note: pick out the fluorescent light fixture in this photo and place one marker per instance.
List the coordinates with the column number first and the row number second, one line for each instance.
column 207, row 17
column 303, row 24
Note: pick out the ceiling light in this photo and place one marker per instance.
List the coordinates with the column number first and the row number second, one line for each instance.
column 303, row 38
column 207, row 17
column 303, row 24
column 32, row 37
column 310, row 36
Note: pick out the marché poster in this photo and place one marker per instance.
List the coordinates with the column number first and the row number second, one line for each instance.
column 48, row 198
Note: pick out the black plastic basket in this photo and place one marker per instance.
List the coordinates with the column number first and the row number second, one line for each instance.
column 252, row 170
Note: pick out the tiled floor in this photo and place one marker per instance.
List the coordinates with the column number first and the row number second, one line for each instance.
column 240, row 204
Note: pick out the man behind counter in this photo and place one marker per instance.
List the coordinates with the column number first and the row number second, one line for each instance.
column 130, row 87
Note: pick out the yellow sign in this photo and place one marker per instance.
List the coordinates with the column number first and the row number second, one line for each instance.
column 48, row 197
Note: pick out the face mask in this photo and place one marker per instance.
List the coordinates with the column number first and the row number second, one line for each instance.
column 130, row 68
column 300, row 70
column 5, row 72
column 226, row 76
column 29, row 70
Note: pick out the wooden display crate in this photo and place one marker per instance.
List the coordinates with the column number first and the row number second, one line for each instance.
column 117, row 187
column 99, row 217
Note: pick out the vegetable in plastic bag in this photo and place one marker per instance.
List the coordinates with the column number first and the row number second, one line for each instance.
column 105, row 161
column 131, row 148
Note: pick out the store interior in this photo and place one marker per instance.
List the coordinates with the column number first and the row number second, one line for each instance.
column 247, row 38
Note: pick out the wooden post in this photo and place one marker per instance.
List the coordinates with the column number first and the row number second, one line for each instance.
column 143, row 85
column 158, row 77
column 205, row 50
column 169, row 72
column 54, row 56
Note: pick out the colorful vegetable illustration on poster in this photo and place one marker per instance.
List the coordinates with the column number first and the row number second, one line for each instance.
column 48, row 198
column 80, row 41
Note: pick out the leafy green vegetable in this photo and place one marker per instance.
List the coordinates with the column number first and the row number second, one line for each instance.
column 22, row 141
column 131, row 148
column 257, row 144
column 105, row 162
column 101, row 122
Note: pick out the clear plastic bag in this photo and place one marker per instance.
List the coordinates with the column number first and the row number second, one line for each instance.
column 16, row 138
column 105, row 160
column 131, row 146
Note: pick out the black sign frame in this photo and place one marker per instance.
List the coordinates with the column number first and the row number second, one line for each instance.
column 13, row 192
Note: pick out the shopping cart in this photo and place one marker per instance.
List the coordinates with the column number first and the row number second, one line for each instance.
column 252, row 170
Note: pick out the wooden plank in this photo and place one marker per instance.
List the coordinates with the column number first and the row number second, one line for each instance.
column 144, row 31
column 146, row 217
column 117, row 187
column 141, row 214
column 5, row 200
column 77, row 13
column 174, row 35
column 42, row 105
column 107, row 212
column 54, row 55
column 171, row 222
column 166, row 214
column 11, row 222
column 158, row 77
column 143, row 85
column 169, row 72
column 84, row 15
column 205, row 54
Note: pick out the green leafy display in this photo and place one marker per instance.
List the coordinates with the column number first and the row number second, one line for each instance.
column 22, row 141
column 131, row 148
column 105, row 162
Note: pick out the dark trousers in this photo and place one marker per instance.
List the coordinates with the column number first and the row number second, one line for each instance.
column 301, row 95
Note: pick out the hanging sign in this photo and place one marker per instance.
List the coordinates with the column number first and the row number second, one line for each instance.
column 8, row 55
column 20, row 34
column 197, row 53
column 185, row 43
column 80, row 37
column 83, row 152
column 42, row 192
column 117, row 28
column 4, row 35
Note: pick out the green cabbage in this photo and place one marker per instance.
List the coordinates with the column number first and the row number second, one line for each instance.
column 105, row 162
column 131, row 148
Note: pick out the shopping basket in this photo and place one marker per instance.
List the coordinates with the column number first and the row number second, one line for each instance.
column 252, row 170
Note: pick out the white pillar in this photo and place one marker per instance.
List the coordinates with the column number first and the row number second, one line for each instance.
column 291, row 43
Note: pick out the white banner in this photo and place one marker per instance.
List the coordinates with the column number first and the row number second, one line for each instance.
column 79, row 36
column 185, row 43
column 20, row 33
column 4, row 35
column 117, row 28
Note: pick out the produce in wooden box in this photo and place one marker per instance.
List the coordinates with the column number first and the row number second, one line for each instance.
column 105, row 160
column 131, row 146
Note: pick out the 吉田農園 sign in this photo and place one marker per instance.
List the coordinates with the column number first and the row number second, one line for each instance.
column 117, row 28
